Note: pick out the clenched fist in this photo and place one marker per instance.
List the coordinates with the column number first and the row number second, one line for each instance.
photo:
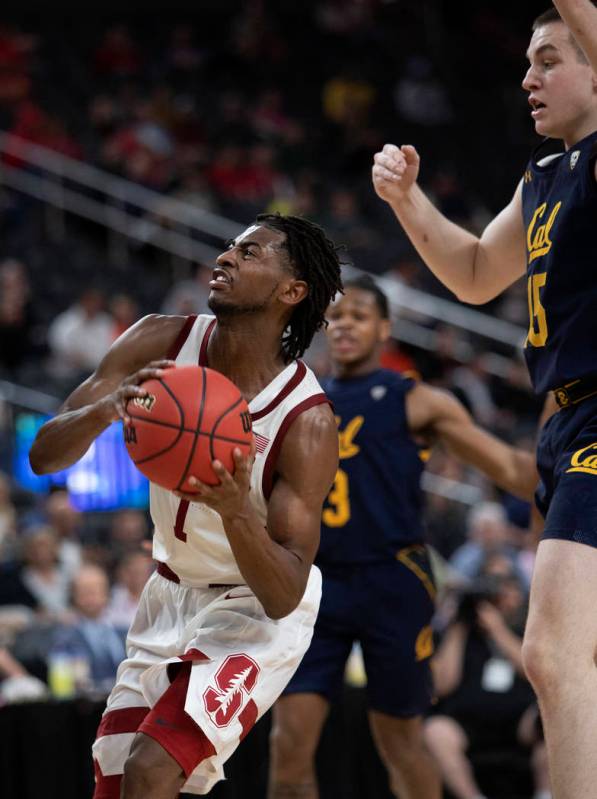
column 395, row 170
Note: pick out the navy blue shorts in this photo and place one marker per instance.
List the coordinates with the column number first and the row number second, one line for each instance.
column 387, row 607
column 567, row 463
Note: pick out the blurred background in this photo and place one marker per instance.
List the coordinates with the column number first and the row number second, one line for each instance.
column 132, row 145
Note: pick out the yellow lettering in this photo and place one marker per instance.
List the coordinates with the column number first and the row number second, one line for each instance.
column 348, row 449
column 538, row 240
column 339, row 513
column 537, row 335
column 587, row 465
column 424, row 644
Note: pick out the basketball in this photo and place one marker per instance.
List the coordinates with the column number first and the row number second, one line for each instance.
column 191, row 416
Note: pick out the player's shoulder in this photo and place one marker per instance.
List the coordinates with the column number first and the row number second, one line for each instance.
column 148, row 339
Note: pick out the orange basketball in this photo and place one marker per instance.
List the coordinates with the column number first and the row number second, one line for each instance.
column 190, row 417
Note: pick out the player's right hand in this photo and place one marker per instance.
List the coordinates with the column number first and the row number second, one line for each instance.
column 395, row 171
column 114, row 404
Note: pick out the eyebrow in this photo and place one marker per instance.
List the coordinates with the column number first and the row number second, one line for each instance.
column 542, row 50
column 248, row 243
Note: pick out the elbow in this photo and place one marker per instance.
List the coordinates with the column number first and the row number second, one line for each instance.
column 38, row 466
column 279, row 610
column 473, row 296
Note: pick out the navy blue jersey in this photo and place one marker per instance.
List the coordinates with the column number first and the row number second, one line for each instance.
column 374, row 507
column 560, row 217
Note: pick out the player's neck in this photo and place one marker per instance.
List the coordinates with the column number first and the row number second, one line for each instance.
column 580, row 131
column 248, row 354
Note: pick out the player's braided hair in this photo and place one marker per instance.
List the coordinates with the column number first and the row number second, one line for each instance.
column 314, row 259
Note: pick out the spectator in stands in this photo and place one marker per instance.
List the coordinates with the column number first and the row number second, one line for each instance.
column 189, row 296
column 132, row 572
column 66, row 523
column 128, row 530
column 420, row 97
column 41, row 575
column 16, row 684
column 8, row 520
column 488, row 531
column 117, row 55
column 124, row 311
column 80, row 336
column 20, row 334
column 480, row 682
column 89, row 637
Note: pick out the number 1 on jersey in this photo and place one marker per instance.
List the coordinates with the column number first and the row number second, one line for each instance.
column 181, row 516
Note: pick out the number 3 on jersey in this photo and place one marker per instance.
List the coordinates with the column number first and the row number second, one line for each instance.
column 537, row 335
column 339, row 513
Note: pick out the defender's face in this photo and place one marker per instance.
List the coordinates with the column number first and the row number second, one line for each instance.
column 562, row 89
column 355, row 326
column 248, row 274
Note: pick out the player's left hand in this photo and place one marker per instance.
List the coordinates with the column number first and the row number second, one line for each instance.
column 229, row 498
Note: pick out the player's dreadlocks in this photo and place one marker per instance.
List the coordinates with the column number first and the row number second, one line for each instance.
column 315, row 260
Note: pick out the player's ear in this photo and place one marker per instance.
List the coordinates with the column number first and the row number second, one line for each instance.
column 385, row 330
column 294, row 292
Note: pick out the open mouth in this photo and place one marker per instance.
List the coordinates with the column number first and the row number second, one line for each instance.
column 536, row 106
column 220, row 278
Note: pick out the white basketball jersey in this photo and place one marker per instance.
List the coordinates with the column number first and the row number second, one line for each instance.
column 190, row 538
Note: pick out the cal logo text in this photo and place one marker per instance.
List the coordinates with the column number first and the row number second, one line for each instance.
column 584, row 462
column 538, row 241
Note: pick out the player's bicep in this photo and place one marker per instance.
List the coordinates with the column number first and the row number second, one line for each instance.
column 145, row 341
column 501, row 256
column 305, row 472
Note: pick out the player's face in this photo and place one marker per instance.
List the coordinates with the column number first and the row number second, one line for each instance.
column 251, row 273
column 562, row 89
column 356, row 328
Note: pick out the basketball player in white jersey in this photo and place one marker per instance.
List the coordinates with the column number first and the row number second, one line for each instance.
column 229, row 613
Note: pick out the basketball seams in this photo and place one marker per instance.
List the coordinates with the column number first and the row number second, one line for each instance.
column 196, row 432
column 180, row 427
column 172, row 426
column 212, row 435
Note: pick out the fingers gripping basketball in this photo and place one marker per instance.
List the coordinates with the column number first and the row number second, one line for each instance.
column 190, row 416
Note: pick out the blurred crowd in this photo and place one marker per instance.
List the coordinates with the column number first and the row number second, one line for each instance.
column 263, row 106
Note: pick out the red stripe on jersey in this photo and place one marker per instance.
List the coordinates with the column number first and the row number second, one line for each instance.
column 248, row 717
column 124, row 719
column 203, row 349
column 297, row 377
column 182, row 336
column 272, row 457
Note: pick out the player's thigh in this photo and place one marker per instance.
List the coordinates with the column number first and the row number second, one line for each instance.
column 397, row 640
column 297, row 723
column 321, row 670
column 561, row 630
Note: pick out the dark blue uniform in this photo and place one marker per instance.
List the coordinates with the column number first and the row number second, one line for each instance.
column 560, row 219
column 377, row 583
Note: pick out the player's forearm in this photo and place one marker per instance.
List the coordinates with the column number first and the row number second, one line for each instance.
column 67, row 437
column 581, row 17
column 275, row 574
column 447, row 249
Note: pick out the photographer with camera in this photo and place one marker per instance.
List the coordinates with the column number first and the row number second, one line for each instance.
column 480, row 684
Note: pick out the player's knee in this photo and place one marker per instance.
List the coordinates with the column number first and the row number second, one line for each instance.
column 541, row 658
column 287, row 744
column 441, row 734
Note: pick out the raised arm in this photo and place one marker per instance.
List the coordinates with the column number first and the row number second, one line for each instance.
column 440, row 415
column 475, row 269
column 581, row 17
column 275, row 560
column 137, row 355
